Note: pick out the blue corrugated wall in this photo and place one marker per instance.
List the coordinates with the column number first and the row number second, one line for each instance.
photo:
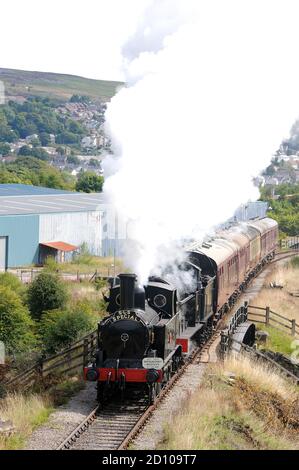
column 23, row 238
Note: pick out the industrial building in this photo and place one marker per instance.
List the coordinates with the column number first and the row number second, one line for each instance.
column 37, row 222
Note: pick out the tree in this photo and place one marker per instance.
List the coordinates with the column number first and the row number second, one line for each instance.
column 90, row 182
column 4, row 149
column 73, row 160
column 45, row 139
column 60, row 150
column 30, row 170
column 36, row 152
column 75, row 127
column 94, row 162
column 80, row 99
column 25, row 151
column 16, row 326
column 285, row 209
column 67, row 137
column 35, row 142
column 40, row 153
column 46, row 292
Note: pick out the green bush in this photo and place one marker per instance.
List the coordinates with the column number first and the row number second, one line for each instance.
column 59, row 329
column 51, row 264
column 90, row 182
column 16, row 326
column 84, row 256
column 46, row 292
column 285, row 209
column 10, row 280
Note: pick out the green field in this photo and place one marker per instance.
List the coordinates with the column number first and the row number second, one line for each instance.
column 54, row 85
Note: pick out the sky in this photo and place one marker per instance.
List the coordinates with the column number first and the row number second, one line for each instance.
column 212, row 90
column 80, row 37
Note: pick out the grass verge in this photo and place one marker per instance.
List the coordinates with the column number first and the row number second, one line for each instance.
column 240, row 406
column 27, row 412
column 277, row 341
column 281, row 300
column 88, row 264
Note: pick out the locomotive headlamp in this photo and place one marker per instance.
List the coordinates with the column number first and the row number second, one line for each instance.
column 92, row 375
column 152, row 376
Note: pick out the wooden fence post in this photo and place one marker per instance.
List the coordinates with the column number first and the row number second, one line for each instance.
column 85, row 352
column 246, row 310
column 223, row 347
column 40, row 367
column 267, row 315
column 293, row 327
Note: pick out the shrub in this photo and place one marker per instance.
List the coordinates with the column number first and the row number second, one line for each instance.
column 84, row 256
column 51, row 264
column 15, row 323
column 89, row 182
column 59, row 329
column 47, row 292
column 10, row 280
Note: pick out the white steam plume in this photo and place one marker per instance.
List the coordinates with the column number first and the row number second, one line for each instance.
column 212, row 89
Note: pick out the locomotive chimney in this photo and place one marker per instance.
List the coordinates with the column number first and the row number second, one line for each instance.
column 127, row 291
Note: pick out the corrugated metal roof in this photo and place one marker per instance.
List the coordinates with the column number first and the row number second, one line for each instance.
column 61, row 246
column 27, row 190
column 51, row 202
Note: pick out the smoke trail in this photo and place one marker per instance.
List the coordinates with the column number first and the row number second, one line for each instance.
column 212, row 89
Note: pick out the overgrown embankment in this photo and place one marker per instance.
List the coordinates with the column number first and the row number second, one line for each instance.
column 25, row 412
column 239, row 405
column 283, row 300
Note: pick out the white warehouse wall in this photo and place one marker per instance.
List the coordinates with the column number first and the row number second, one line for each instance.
column 74, row 228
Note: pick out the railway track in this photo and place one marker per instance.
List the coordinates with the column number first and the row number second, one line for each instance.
column 284, row 255
column 106, row 428
column 116, row 426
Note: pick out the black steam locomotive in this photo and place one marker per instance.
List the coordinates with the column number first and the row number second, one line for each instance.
column 150, row 329
column 148, row 332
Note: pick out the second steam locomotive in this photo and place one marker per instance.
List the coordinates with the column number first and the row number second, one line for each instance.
column 149, row 330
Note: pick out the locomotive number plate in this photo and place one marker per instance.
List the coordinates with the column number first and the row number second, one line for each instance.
column 125, row 315
column 152, row 363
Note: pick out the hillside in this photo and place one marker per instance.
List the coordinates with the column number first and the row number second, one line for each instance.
column 53, row 85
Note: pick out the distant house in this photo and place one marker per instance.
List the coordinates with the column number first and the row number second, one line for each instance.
column 50, row 150
column 271, row 181
column 32, row 137
column 52, row 139
column 89, row 141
